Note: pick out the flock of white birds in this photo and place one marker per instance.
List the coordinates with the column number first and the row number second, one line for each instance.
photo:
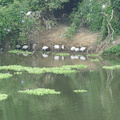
column 58, row 48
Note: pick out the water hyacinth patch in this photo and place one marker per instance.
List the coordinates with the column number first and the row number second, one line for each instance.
column 3, row 96
column 80, row 91
column 13, row 67
column 17, row 73
column 66, row 69
column 5, row 75
column 20, row 51
column 111, row 67
column 93, row 55
column 74, row 66
column 95, row 60
column 40, row 91
column 62, row 54
column 91, row 70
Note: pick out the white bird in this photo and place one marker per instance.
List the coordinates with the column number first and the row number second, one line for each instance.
column 56, row 47
column 62, row 47
column 25, row 47
column 56, row 57
column 28, row 13
column 77, row 49
column 82, row 58
column 72, row 48
column 45, row 48
column 83, row 49
column 18, row 46
column 103, row 7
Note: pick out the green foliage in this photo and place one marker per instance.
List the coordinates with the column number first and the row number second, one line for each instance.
column 116, row 5
column 115, row 50
column 15, row 26
column 89, row 14
column 40, row 91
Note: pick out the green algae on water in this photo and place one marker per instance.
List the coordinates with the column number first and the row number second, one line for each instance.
column 3, row 96
column 40, row 91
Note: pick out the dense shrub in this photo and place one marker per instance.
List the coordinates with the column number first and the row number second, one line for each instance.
column 15, row 25
column 89, row 14
column 113, row 50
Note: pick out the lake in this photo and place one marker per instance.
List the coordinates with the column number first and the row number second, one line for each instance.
column 100, row 102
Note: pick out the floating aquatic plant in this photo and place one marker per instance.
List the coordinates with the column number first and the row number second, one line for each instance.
column 91, row 70
column 80, row 91
column 111, row 67
column 18, row 73
column 20, row 51
column 40, row 91
column 3, row 96
column 93, row 55
column 35, row 70
column 13, row 67
column 5, row 75
column 62, row 54
column 95, row 60
column 80, row 66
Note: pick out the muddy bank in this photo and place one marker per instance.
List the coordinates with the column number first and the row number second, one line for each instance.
column 49, row 38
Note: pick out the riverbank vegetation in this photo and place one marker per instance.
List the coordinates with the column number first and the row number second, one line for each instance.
column 19, row 18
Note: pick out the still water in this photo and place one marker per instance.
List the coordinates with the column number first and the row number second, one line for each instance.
column 101, row 102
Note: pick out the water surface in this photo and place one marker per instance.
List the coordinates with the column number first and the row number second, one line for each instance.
column 101, row 102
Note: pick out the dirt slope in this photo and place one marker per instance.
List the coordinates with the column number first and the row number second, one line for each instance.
column 49, row 38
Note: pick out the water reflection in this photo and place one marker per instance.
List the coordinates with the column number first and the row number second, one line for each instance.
column 44, row 55
column 101, row 102
column 82, row 58
column 56, row 57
